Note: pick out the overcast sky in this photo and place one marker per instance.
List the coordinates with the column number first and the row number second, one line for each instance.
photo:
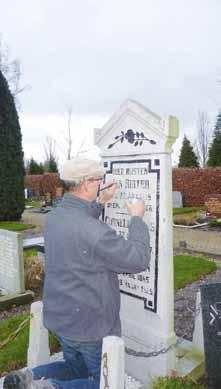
column 91, row 55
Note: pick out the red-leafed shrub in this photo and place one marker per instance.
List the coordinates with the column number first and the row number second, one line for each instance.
column 196, row 184
column 42, row 184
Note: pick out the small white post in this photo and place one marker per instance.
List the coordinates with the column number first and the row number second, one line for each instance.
column 112, row 366
column 198, row 340
column 38, row 350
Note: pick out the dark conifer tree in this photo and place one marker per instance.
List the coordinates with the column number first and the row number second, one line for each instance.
column 11, row 157
column 35, row 167
column 51, row 165
column 187, row 156
column 214, row 158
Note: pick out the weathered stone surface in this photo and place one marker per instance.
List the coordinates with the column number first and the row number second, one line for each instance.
column 177, row 199
column 6, row 302
column 11, row 262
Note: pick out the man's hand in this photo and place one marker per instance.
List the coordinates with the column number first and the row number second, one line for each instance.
column 136, row 209
column 107, row 191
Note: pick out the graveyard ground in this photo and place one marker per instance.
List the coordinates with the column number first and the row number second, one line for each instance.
column 14, row 354
column 184, row 310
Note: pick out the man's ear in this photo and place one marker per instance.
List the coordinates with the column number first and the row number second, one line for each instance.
column 85, row 185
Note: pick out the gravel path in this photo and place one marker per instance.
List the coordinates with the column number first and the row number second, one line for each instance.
column 184, row 305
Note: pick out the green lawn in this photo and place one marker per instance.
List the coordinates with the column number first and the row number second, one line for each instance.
column 14, row 354
column 33, row 203
column 188, row 269
column 15, row 226
column 215, row 223
column 186, row 215
column 30, row 253
column 175, row 383
column 183, row 210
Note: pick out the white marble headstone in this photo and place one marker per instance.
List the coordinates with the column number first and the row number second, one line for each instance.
column 177, row 200
column 11, row 263
column 136, row 147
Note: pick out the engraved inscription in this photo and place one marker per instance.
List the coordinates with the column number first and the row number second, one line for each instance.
column 10, row 263
column 137, row 179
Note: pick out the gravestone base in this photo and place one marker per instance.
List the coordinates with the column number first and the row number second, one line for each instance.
column 190, row 362
column 184, row 360
column 7, row 301
column 145, row 369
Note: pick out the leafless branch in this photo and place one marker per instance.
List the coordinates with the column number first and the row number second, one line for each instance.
column 50, row 149
column 69, row 137
column 203, row 137
column 11, row 69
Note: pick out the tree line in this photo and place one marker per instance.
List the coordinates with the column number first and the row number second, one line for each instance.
column 49, row 165
column 34, row 167
column 12, row 168
column 206, row 154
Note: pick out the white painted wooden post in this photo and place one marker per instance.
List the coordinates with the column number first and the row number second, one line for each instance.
column 198, row 340
column 38, row 350
column 112, row 366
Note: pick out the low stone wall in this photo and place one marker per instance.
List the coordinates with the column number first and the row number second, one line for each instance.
column 213, row 205
column 208, row 242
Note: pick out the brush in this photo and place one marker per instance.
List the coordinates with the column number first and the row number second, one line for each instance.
column 107, row 187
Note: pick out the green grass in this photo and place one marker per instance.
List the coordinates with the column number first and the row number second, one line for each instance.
column 188, row 269
column 184, row 210
column 15, row 226
column 215, row 223
column 33, row 203
column 175, row 383
column 189, row 215
column 14, row 354
column 30, row 253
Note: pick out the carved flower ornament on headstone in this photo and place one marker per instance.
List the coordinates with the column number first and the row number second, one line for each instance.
column 134, row 137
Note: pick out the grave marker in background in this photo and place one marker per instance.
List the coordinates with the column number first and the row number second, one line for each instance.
column 136, row 151
column 12, row 286
column 177, row 200
column 211, row 311
column 11, row 262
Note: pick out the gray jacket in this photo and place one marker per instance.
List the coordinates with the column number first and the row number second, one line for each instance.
column 83, row 256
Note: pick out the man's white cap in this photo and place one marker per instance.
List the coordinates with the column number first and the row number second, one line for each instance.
column 78, row 169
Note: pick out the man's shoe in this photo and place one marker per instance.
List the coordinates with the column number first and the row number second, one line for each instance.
column 18, row 380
